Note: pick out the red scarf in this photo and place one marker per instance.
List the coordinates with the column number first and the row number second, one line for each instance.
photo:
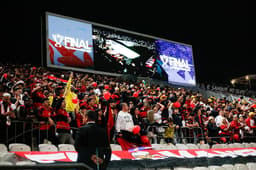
column 110, row 123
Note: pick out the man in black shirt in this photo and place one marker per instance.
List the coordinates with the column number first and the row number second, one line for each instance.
column 92, row 143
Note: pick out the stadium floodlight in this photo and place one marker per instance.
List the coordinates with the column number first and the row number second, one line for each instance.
column 233, row 81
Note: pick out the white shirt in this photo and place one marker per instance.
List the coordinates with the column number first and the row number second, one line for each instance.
column 9, row 108
column 124, row 121
column 97, row 91
column 219, row 120
column 170, row 112
column 158, row 116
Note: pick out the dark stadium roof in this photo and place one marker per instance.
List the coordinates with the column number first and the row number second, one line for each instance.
column 217, row 30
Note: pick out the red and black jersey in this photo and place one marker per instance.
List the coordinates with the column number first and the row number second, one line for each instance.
column 83, row 103
column 28, row 112
column 93, row 108
column 62, row 121
column 79, row 119
column 116, row 96
column 224, row 132
column 199, row 119
column 235, row 125
column 55, row 100
column 189, row 122
column 144, row 111
column 43, row 116
column 37, row 97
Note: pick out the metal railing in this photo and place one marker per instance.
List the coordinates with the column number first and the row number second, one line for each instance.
column 29, row 133
column 192, row 134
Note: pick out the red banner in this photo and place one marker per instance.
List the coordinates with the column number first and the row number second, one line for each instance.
column 71, row 156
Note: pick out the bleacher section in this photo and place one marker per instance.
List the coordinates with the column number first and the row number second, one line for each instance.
column 8, row 156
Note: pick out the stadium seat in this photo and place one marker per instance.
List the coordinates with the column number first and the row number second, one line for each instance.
column 6, row 163
column 163, row 147
column 66, row 147
column 3, row 148
column 217, row 146
column 181, row 146
column 251, row 165
column 235, row 145
column 162, row 141
column 115, row 147
column 228, row 166
column 203, row 146
column 182, row 168
column 25, row 163
column 19, row 147
column 201, row 168
column 253, row 144
column 47, row 148
column 248, row 145
column 216, row 168
column 167, row 147
column 171, row 147
column 192, row 146
column 8, row 157
column 13, row 144
column 156, row 146
column 241, row 167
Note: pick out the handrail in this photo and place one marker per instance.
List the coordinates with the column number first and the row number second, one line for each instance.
column 34, row 127
column 182, row 133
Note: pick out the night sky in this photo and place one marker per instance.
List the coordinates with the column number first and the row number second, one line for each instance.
column 217, row 30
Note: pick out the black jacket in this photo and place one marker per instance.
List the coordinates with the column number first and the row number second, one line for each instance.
column 212, row 130
column 92, row 140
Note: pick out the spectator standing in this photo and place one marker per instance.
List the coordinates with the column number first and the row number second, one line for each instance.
column 124, row 126
column 92, row 143
column 235, row 127
column 250, row 122
column 7, row 112
column 62, row 123
column 169, row 132
column 213, row 131
column 46, row 123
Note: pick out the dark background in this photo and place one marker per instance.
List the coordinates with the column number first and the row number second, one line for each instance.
column 217, row 30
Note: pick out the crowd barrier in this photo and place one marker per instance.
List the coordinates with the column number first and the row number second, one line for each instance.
column 29, row 133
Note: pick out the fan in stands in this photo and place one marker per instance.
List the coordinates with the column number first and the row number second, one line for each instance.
column 29, row 97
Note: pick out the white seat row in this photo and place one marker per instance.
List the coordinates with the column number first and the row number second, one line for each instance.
column 21, row 147
column 248, row 166
column 115, row 147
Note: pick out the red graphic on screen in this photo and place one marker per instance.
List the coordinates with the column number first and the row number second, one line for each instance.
column 68, row 57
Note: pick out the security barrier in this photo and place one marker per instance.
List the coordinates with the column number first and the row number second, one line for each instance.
column 29, row 133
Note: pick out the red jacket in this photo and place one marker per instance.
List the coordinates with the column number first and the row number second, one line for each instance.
column 235, row 125
column 62, row 121
column 79, row 119
column 222, row 132
column 43, row 116
column 250, row 123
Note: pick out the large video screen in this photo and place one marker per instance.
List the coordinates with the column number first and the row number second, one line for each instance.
column 87, row 46
column 123, row 53
column 175, row 62
column 69, row 43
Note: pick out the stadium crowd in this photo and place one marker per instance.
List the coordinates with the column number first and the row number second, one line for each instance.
column 55, row 102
